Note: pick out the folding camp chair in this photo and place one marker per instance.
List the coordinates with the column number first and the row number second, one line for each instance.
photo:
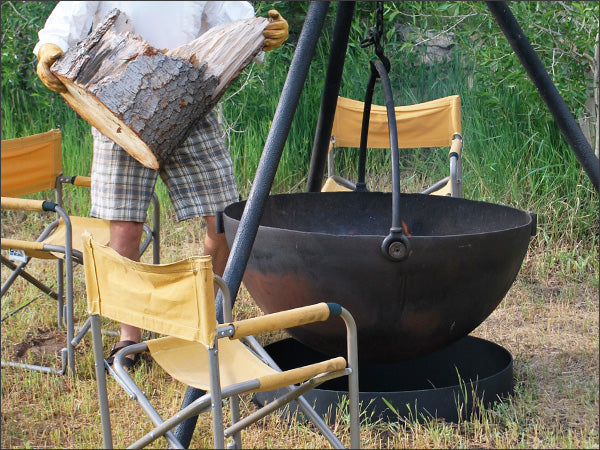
column 436, row 123
column 177, row 300
column 33, row 164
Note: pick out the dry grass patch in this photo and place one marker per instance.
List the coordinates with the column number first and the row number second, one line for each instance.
column 548, row 321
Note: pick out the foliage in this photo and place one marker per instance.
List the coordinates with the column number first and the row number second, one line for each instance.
column 27, row 105
column 20, row 23
column 563, row 35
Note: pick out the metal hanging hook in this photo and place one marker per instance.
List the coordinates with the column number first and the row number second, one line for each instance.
column 396, row 245
column 373, row 38
column 375, row 35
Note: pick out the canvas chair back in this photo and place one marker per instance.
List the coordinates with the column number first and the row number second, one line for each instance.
column 432, row 124
column 427, row 124
column 156, row 305
column 31, row 164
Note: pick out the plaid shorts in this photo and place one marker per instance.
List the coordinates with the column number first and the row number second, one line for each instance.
column 199, row 177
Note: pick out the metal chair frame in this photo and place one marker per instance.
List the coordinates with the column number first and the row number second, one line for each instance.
column 63, row 252
column 100, row 294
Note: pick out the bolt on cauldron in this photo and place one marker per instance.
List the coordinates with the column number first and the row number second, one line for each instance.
column 310, row 247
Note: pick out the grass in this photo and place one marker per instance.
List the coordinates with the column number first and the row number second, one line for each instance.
column 548, row 321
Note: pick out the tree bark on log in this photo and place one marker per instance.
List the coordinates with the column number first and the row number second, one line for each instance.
column 148, row 100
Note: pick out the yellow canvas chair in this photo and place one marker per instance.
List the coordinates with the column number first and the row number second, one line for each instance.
column 30, row 165
column 177, row 300
column 436, row 123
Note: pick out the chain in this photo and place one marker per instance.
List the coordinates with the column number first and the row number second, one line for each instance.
column 374, row 36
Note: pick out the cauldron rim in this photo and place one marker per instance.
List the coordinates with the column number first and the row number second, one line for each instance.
column 416, row 238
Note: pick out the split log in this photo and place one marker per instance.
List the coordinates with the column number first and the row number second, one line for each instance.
column 147, row 100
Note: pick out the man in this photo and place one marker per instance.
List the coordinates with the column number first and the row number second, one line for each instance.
column 199, row 176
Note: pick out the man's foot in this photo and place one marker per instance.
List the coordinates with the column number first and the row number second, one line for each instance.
column 128, row 362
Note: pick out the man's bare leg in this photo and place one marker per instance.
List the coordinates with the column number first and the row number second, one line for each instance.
column 216, row 246
column 125, row 238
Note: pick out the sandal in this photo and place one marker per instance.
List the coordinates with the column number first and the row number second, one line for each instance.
column 128, row 363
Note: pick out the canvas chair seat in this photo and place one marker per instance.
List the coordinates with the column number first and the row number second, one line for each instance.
column 188, row 362
column 98, row 227
column 334, row 185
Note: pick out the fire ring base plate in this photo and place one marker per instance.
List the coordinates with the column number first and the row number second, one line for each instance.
column 450, row 383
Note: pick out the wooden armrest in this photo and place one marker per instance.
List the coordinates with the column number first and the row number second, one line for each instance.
column 285, row 319
column 22, row 204
column 18, row 244
column 456, row 146
column 301, row 374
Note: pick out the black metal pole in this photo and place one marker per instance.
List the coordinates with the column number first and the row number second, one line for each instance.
column 542, row 81
column 333, row 78
column 267, row 167
column 263, row 180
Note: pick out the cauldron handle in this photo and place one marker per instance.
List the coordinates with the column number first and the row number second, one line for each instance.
column 361, row 185
column 396, row 245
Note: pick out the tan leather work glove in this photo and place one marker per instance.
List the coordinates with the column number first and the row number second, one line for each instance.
column 276, row 32
column 46, row 56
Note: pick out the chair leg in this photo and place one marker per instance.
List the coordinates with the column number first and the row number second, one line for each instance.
column 16, row 270
column 70, row 315
column 68, row 353
column 82, row 332
column 216, row 398
column 353, row 389
column 101, row 381
column 60, row 293
column 44, row 369
column 123, row 377
column 20, row 271
column 304, row 405
column 153, row 233
column 234, row 403
column 155, row 230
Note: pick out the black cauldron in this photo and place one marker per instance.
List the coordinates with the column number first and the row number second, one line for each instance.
column 463, row 256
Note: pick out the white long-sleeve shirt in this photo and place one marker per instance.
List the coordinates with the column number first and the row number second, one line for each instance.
column 162, row 24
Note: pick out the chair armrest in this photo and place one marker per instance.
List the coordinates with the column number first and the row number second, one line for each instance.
column 456, row 145
column 82, row 181
column 285, row 319
column 77, row 180
column 22, row 204
column 19, row 244
column 301, row 374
